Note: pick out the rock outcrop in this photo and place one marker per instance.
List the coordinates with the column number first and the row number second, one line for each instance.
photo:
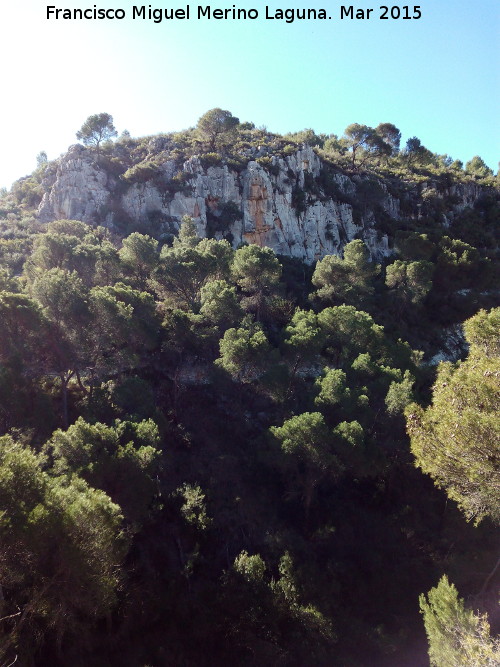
column 281, row 202
column 80, row 189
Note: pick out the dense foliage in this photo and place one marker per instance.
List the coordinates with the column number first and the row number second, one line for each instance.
column 457, row 636
column 203, row 450
column 456, row 440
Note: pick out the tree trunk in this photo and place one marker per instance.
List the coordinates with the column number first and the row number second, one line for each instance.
column 64, row 396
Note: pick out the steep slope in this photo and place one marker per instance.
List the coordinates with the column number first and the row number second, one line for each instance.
column 295, row 204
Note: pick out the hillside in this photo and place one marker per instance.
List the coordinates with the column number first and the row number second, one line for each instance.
column 225, row 435
column 294, row 203
column 303, row 195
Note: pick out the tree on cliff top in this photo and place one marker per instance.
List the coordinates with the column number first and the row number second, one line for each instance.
column 215, row 124
column 97, row 128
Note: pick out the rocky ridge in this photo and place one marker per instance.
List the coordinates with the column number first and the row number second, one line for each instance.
column 285, row 203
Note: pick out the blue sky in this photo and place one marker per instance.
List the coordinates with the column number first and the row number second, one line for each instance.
column 436, row 78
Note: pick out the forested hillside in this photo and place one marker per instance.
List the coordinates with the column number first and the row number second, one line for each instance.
column 213, row 453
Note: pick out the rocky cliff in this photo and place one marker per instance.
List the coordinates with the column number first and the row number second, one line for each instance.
column 294, row 204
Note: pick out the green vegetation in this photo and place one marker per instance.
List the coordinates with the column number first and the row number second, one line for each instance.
column 216, row 126
column 457, row 636
column 456, row 440
column 96, row 129
column 204, row 456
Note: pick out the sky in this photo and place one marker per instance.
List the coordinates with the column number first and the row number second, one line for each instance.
column 437, row 77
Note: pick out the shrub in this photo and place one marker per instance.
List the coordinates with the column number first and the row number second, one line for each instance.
column 211, row 160
column 142, row 172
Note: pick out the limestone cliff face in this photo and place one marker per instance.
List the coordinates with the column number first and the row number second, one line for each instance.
column 281, row 204
column 80, row 189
